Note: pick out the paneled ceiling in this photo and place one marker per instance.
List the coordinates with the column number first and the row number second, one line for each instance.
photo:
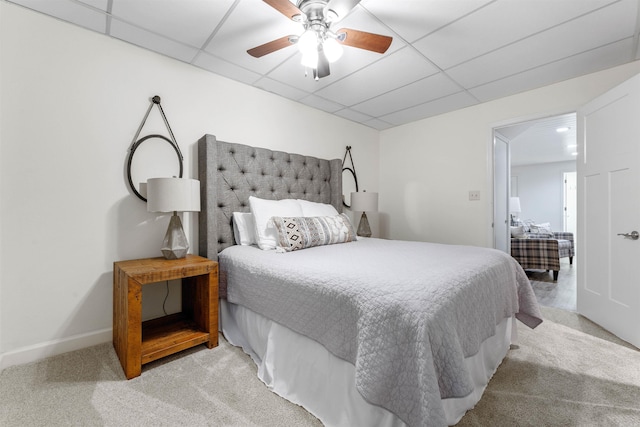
column 551, row 139
column 445, row 55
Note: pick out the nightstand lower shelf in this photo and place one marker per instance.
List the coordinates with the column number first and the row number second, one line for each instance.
column 170, row 334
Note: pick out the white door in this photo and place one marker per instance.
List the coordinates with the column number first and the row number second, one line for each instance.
column 570, row 201
column 609, row 205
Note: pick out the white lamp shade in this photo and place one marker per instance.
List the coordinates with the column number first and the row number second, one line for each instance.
column 514, row 205
column 310, row 59
column 364, row 202
column 332, row 49
column 173, row 195
column 308, row 42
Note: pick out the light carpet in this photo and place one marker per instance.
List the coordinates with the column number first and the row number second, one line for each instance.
column 566, row 372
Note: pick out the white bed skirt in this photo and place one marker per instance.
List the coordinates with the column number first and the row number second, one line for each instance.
column 305, row 373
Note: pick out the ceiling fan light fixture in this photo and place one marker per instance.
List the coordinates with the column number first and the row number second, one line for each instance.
column 318, row 43
column 310, row 59
column 308, row 42
column 332, row 49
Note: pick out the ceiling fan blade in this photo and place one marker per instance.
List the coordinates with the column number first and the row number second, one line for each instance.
column 270, row 47
column 323, row 64
column 285, row 7
column 363, row 40
column 340, row 9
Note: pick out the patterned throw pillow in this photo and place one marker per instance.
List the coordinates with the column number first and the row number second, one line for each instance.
column 542, row 230
column 296, row 233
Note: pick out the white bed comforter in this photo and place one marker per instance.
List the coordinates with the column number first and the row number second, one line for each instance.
column 406, row 314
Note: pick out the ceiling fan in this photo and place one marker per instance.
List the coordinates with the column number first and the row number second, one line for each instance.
column 319, row 44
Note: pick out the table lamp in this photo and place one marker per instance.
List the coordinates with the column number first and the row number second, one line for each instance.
column 174, row 195
column 364, row 202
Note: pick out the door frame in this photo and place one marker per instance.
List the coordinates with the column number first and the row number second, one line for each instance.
column 511, row 122
column 501, row 185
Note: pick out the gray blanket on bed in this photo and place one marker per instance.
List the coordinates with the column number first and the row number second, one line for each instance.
column 406, row 314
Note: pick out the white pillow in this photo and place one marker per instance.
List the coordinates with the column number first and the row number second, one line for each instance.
column 244, row 229
column 317, row 209
column 518, row 232
column 263, row 210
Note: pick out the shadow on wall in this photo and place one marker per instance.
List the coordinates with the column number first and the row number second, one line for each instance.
column 136, row 233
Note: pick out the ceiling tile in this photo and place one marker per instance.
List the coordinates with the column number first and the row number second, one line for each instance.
column 253, row 23
column 412, row 19
column 98, row 4
column 584, row 63
column 280, row 89
column 321, row 103
column 353, row 115
column 427, row 89
column 377, row 124
column 399, row 69
column 544, row 47
column 70, row 11
column 190, row 22
column 224, row 68
column 152, row 41
column 496, row 25
column 433, row 108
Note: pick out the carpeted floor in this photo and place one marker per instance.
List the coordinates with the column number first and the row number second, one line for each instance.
column 567, row 372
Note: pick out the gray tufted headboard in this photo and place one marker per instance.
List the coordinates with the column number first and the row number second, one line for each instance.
column 230, row 173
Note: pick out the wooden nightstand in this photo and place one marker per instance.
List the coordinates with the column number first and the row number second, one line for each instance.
column 137, row 342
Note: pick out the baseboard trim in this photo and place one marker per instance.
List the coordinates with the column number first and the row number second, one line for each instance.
column 36, row 352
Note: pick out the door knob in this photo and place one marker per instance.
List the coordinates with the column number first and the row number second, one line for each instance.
column 634, row 235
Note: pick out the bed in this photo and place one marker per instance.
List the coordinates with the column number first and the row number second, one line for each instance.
column 367, row 332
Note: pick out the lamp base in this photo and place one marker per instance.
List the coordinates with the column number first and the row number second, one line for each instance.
column 363, row 228
column 175, row 244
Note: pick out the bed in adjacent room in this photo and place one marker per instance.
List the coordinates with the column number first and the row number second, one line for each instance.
column 359, row 331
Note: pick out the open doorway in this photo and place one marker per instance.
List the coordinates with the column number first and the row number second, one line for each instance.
column 541, row 173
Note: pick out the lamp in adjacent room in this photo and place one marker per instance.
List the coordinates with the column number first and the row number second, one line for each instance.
column 514, row 209
column 364, row 202
column 174, row 195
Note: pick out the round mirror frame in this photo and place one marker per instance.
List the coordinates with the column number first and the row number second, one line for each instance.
column 130, row 160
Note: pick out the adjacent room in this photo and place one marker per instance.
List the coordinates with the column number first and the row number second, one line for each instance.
column 542, row 194
column 319, row 212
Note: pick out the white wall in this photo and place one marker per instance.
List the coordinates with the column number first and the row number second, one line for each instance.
column 541, row 192
column 428, row 167
column 71, row 103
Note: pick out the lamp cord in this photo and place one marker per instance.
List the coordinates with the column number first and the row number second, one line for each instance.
column 165, row 299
